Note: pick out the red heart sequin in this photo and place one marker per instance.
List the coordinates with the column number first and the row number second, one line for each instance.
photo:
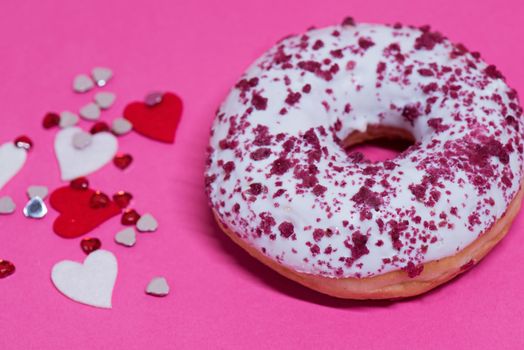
column 89, row 245
column 99, row 127
column 77, row 217
column 130, row 217
column 158, row 122
column 7, row 268
column 122, row 199
column 24, row 142
column 122, row 161
column 51, row 120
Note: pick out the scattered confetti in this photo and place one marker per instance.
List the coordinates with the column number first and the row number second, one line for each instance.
column 147, row 223
column 90, row 244
column 122, row 161
column 51, row 120
column 158, row 287
column 121, row 126
column 99, row 127
column 80, row 183
column 158, row 122
column 24, row 142
column 7, row 268
column 130, row 217
column 90, row 283
column 105, row 99
column 126, row 237
column 77, row 217
column 82, row 83
column 67, row 119
column 122, row 199
column 90, row 111
column 35, row 208
column 77, row 163
column 153, row 98
column 37, row 191
column 101, row 75
column 7, row 206
column 99, row 200
column 12, row 159
column 82, row 140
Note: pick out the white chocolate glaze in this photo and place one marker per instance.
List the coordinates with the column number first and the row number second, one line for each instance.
column 279, row 178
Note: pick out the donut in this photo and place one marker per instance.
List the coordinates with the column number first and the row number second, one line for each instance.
column 284, row 183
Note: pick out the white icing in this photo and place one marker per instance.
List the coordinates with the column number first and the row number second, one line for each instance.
column 479, row 118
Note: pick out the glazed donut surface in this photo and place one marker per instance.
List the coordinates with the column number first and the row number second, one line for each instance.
column 280, row 179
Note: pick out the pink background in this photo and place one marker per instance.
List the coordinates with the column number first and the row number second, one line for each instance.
column 221, row 298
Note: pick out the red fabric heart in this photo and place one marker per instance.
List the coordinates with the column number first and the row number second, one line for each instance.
column 77, row 217
column 158, row 122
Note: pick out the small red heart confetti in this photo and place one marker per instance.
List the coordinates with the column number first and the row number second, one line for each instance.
column 158, row 121
column 24, row 142
column 89, row 245
column 80, row 183
column 77, row 217
column 122, row 199
column 51, row 120
column 7, row 268
column 122, row 161
column 99, row 200
column 99, row 127
column 130, row 217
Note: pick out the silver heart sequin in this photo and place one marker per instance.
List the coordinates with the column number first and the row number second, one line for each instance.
column 7, row 206
column 158, row 287
column 82, row 83
column 101, row 75
column 35, row 208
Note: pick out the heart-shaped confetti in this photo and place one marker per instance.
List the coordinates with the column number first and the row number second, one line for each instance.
column 82, row 83
column 158, row 122
column 90, row 111
column 121, row 126
column 126, row 237
column 35, row 208
column 90, row 244
column 7, row 206
column 68, row 119
column 130, row 217
column 105, row 99
column 101, row 75
column 12, row 159
column 7, row 268
column 82, row 139
column 147, row 223
column 24, row 142
column 122, row 161
column 76, row 163
column 50, row 120
column 158, row 287
column 90, row 283
column 37, row 191
column 77, row 216
column 122, row 199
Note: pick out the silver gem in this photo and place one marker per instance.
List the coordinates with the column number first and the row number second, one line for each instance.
column 35, row 208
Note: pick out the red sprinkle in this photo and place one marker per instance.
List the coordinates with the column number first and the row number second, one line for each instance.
column 286, row 229
column 89, row 245
column 23, row 142
column 122, row 161
column 130, row 217
column 7, row 268
column 51, row 120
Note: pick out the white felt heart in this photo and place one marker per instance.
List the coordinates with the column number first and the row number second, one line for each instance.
column 12, row 159
column 121, row 126
column 90, row 111
column 89, row 283
column 81, row 162
column 67, row 119
column 147, row 223
column 101, row 75
column 126, row 237
column 105, row 99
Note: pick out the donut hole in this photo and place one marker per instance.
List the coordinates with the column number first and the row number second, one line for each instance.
column 379, row 143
